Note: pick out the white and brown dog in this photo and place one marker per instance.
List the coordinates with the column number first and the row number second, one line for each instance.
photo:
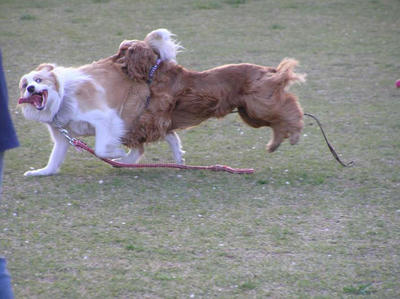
column 95, row 99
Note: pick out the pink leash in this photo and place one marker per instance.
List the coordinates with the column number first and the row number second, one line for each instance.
column 80, row 144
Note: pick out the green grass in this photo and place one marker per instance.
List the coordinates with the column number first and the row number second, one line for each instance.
column 360, row 290
column 300, row 227
column 28, row 18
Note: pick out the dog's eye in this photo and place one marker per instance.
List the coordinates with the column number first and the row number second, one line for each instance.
column 38, row 80
column 24, row 85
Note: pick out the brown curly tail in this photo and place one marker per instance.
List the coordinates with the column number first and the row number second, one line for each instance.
column 285, row 72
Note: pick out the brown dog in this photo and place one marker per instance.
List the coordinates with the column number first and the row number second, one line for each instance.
column 180, row 98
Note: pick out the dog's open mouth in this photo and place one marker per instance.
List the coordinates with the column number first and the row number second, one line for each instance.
column 38, row 99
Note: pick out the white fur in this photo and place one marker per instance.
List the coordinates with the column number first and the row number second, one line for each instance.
column 134, row 155
column 57, row 155
column 53, row 101
column 175, row 144
column 62, row 107
column 162, row 41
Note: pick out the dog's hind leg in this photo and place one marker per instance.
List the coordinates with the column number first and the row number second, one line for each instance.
column 278, row 135
column 133, row 156
column 290, row 123
column 252, row 122
column 109, row 132
column 285, row 118
column 176, row 147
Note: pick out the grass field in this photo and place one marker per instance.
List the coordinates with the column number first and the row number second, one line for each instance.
column 300, row 227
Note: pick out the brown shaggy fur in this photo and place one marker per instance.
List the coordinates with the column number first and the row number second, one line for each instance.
column 181, row 98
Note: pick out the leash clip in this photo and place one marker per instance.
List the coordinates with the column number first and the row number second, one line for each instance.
column 71, row 140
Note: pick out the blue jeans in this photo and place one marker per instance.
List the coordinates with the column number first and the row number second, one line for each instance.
column 5, row 281
column 1, row 172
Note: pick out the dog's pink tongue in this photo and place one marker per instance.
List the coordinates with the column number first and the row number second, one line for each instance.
column 34, row 100
column 23, row 100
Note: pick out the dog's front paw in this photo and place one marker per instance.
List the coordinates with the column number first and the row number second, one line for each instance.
column 126, row 160
column 180, row 161
column 132, row 157
column 115, row 154
column 40, row 172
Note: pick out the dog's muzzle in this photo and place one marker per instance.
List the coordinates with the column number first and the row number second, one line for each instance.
column 37, row 99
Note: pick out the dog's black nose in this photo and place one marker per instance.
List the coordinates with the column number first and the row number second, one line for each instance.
column 31, row 88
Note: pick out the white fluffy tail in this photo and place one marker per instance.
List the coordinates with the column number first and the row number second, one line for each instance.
column 162, row 42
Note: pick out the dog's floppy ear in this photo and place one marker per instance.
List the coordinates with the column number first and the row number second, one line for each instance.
column 45, row 66
column 139, row 60
column 123, row 47
column 125, row 44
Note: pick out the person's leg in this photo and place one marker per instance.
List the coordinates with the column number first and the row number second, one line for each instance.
column 5, row 281
column 1, row 170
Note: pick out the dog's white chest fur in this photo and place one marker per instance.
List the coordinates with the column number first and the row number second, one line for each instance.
column 81, row 128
